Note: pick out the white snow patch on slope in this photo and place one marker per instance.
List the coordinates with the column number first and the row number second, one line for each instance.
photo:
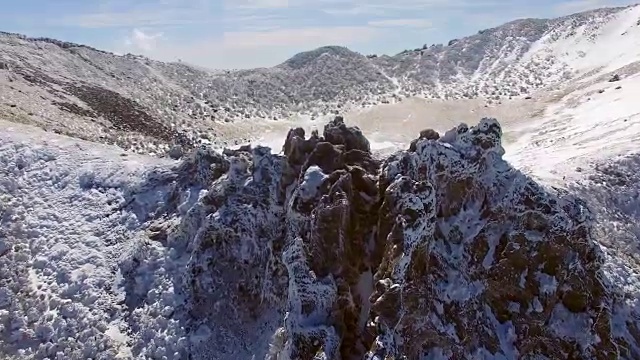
column 581, row 129
column 63, row 231
column 615, row 44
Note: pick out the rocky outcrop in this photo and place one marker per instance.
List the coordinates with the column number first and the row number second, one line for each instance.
column 330, row 222
column 440, row 251
column 481, row 262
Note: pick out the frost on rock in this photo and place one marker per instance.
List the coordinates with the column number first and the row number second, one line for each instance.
column 481, row 262
column 273, row 243
column 326, row 242
column 231, row 236
column 440, row 251
column 612, row 190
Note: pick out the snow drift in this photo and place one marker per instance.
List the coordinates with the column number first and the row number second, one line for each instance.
column 325, row 252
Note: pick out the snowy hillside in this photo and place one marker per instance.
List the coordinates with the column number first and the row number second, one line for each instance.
column 519, row 57
column 398, row 233
column 149, row 106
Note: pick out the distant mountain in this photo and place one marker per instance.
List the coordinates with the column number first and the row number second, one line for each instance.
column 310, row 58
column 146, row 105
column 508, row 60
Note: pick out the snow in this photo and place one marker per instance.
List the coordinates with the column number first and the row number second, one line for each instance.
column 364, row 289
column 311, row 182
column 506, row 336
column 595, row 120
column 65, row 231
column 584, row 127
column 605, row 44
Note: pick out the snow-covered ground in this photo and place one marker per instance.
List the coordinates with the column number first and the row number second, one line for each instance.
column 65, row 238
column 611, row 45
column 589, row 125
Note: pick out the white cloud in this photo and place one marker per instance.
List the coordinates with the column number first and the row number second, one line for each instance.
column 574, row 6
column 257, row 4
column 254, row 22
column 129, row 19
column 138, row 40
column 117, row 13
column 310, row 36
column 385, row 7
column 245, row 49
column 414, row 23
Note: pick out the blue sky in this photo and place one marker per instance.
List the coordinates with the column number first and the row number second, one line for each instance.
column 253, row 33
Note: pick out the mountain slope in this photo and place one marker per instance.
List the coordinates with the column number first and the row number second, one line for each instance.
column 149, row 106
column 63, row 232
column 520, row 56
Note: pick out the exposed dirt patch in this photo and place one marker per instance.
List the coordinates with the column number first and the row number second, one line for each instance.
column 123, row 113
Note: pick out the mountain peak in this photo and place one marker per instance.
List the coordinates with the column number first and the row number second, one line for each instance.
column 306, row 58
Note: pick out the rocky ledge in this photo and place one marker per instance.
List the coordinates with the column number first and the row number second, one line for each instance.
column 442, row 251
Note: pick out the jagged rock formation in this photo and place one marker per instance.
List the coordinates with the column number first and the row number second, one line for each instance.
column 440, row 251
column 330, row 222
column 480, row 261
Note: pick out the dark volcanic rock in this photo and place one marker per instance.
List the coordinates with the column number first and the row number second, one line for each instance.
column 330, row 223
column 442, row 251
column 480, row 262
column 123, row 113
column 74, row 108
column 337, row 132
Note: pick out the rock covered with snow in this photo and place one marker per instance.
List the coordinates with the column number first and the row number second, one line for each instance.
column 612, row 189
column 242, row 223
column 442, row 250
column 330, row 221
column 481, row 262
column 230, row 234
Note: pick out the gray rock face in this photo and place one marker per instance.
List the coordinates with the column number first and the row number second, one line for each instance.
column 441, row 251
column 176, row 152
